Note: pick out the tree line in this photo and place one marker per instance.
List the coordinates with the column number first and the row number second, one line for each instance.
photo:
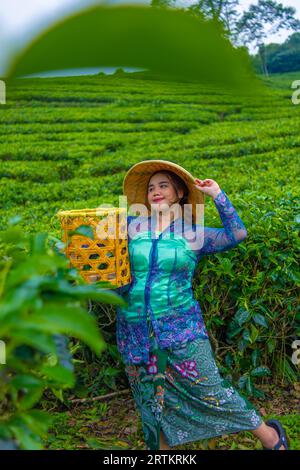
column 252, row 29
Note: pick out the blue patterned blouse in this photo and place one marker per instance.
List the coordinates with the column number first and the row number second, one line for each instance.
column 160, row 294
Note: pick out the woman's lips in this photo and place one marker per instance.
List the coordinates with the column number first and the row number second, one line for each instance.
column 158, row 200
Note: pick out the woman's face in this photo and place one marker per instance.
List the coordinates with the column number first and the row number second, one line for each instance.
column 161, row 193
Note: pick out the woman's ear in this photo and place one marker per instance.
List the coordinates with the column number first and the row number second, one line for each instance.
column 180, row 193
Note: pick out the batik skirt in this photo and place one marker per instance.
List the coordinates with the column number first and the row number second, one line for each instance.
column 181, row 393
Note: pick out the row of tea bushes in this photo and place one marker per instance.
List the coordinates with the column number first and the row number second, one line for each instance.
column 67, row 143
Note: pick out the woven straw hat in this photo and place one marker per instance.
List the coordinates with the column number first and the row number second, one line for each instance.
column 136, row 180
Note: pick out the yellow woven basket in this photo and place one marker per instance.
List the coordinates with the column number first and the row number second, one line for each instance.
column 98, row 259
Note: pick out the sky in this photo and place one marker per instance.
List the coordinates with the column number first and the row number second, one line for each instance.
column 21, row 20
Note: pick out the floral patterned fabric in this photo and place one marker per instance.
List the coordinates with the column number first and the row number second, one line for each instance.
column 162, row 268
column 181, row 393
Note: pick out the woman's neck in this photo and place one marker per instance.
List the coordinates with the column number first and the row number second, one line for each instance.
column 163, row 221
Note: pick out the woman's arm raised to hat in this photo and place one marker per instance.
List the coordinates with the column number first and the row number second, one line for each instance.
column 234, row 231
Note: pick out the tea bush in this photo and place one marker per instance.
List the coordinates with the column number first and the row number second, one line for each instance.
column 42, row 302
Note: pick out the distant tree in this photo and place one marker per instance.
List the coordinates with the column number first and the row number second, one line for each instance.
column 252, row 26
column 293, row 40
column 219, row 10
column 281, row 57
column 222, row 12
column 162, row 3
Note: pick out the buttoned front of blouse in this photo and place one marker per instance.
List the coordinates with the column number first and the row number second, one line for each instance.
column 162, row 269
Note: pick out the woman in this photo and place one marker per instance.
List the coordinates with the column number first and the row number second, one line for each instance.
column 161, row 335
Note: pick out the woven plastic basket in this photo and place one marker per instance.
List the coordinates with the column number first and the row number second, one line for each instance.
column 98, row 259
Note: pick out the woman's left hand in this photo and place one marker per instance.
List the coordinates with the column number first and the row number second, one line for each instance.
column 208, row 186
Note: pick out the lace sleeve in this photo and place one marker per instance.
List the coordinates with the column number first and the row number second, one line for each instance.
column 222, row 239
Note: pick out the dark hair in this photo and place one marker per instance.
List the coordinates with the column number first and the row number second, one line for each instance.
column 178, row 185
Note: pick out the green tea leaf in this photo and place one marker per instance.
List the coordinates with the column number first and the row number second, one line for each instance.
column 260, row 320
column 260, row 371
column 189, row 47
column 85, row 230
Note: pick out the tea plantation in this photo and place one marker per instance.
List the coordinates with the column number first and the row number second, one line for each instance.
column 67, row 143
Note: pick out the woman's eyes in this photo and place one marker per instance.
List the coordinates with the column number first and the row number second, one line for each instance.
column 162, row 185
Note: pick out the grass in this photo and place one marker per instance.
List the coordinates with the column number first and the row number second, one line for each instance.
column 116, row 425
